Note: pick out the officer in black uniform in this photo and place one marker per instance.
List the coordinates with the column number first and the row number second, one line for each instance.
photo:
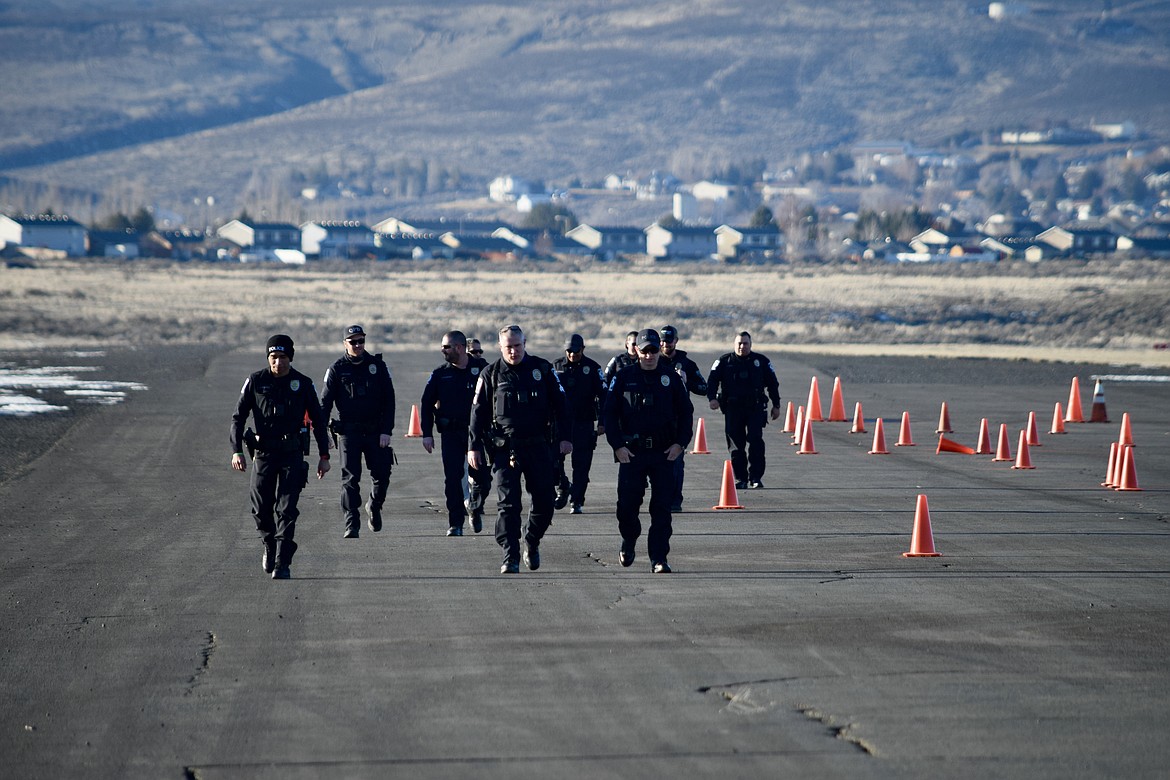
column 622, row 359
column 446, row 404
column 580, row 377
column 696, row 384
column 518, row 411
column 282, row 402
column 648, row 423
column 359, row 385
column 740, row 384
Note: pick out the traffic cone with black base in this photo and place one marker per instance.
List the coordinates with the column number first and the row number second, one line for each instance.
column 922, row 540
column 728, row 498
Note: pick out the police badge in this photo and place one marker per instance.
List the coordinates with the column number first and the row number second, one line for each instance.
column 373, row 368
column 536, row 374
column 294, row 385
column 665, row 380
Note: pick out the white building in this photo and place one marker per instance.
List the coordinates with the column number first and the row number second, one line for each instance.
column 506, row 189
column 44, row 231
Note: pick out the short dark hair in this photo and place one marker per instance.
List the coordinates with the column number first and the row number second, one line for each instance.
column 744, row 334
column 455, row 337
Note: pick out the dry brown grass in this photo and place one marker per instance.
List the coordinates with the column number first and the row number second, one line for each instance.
column 1100, row 312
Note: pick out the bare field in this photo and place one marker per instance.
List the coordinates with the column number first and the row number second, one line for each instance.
column 1076, row 312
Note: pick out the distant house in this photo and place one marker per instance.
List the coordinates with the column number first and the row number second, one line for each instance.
column 542, row 243
column 44, row 231
column 1079, row 241
column 174, row 244
column 713, row 190
column 938, row 241
column 482, row 247
column 336, row 240
column 114, row 243
column 1151, row 247
column 261, row 236
column 608, row 243
column 735, row 243
column 465, row 227
column 680, row 243
column 507, row 189
column 411, row 246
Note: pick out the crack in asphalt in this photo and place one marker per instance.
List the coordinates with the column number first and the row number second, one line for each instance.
column 841, row 732
column 205, row 654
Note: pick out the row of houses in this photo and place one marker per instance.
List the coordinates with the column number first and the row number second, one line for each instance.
column 393, row 238
column 997, row 240
column 402, row 238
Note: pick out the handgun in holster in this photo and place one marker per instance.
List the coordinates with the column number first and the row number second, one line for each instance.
column 250, row 443
column 334, row 432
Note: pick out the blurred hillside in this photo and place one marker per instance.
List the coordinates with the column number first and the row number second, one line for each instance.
column 169, row 103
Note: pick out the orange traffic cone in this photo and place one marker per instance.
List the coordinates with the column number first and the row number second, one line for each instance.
column 1128, row 471
column 807, row 447
column 1057, row 420
column 1097, row 413
column 1033, row 433
column 858, row 419
column 944, row 420
column 813, row 409
column 1075, row 412
column 1125, row 438
column 837, row 406
column 1003, row 451
column 904, row 437
column 789, row 419
column 728, row 499
column 922, row 540
column 1118, row 464
column 984, row 445
column 414, row 430
column 700, row 447
column 879, row 439
column 1023, row 458
column 798, row 427
column 1112, row 465
column 946, row 445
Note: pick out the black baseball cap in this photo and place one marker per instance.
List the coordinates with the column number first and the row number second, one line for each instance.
column 354, row 330
column 574, row 343
column 669, row 333
column 648, row 338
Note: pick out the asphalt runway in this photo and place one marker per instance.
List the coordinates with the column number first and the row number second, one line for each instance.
column 141, row 638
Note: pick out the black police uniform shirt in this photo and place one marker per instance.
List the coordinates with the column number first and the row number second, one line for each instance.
column 583, row 385
column 688, row 370
column 616, row 364
column 446, row 399
column 743, row 382
column 363, row 393
column 523, row 402
column 278, row 406
column 648, row 406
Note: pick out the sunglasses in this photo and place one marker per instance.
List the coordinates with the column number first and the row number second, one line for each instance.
column 649, row 350
column 477, row 351
column 356, row 341
column 446, row 347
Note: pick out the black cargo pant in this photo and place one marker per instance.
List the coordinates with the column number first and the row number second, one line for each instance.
column 479, row 481
column 584, row 441
column 534, row 462
column 646, row 465
column 277, row 481
column 353, row 447
column 745, row 442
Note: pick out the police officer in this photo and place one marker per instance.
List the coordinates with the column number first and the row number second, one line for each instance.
column 281, row 401
column 648, row 423
column 696, row 384
column 359, row 385
column 580, row 377
column 446, row 404
column 518, row 411
column 740, row 384
column 622, row 359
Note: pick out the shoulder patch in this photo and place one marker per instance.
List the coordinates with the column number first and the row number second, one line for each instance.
column 715, row 365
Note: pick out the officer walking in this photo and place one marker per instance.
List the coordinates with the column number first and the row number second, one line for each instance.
column 280, row 401
column 740, row 384
column 696, row 384
column 622, row 359
column 518, row 411
column 648, row 423
column 446, row 404
column 580, row 377
column 359, row 385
